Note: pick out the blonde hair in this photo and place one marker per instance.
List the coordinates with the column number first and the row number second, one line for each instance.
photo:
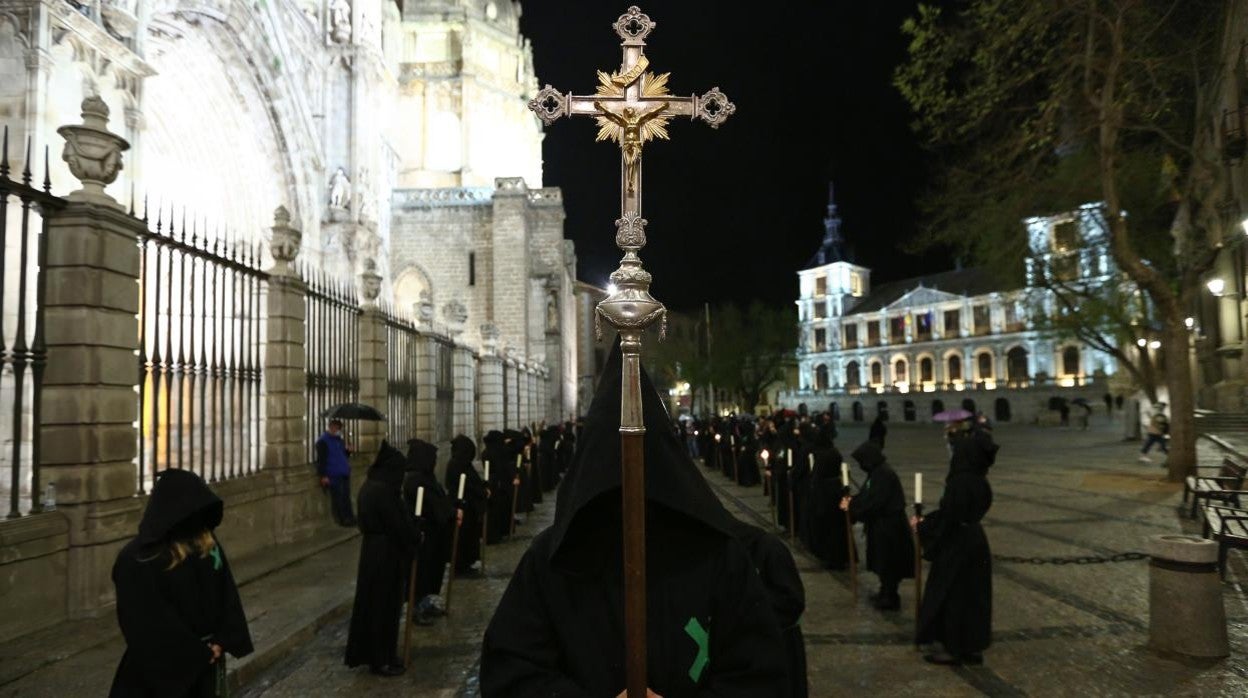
column 201, row 544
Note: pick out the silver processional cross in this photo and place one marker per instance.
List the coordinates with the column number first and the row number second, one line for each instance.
column 632, row 106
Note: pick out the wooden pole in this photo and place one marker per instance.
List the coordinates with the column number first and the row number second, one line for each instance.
column 918, row 570
column 633, row 491
column 407, row 617
column 736, row 467
column 450, row 578
column 485, row 515
column 851, row 548
column 515, row 496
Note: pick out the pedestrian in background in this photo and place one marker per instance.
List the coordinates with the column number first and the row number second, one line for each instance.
column 177, row 603
column 334, row 468
column 1158, row 429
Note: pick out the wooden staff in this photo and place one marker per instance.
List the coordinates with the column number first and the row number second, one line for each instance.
column 918, row 551
column 450, row 579
column 766, row 476
column 849, row 535
column 515, row 495
column 736, row 468
column 788, row 478
column 411, row 584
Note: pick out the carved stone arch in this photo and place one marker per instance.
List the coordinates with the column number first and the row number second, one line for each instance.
column 12, row 26
column 409, row 283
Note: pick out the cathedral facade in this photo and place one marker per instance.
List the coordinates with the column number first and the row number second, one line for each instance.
column 395, row 133
column 964, row 338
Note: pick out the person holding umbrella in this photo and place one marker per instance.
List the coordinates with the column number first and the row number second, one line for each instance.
column 334, row 470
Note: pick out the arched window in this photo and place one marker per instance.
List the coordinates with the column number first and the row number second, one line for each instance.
column 926, row 370
column 899, row 371
column 1016, row 365
column 877, row 373
column 955, row 368
column 852, row 376
column 984, row 362
column 1070, row 361
column 821, row 377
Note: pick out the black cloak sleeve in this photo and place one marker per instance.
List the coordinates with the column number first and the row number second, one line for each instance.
column 233, row 634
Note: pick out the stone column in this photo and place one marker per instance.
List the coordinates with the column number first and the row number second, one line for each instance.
column 510, row 253
column 490, row 381
column 285, row 379
column 373, row 349
column 89, row 408
column 426, row 386
column 465, row 421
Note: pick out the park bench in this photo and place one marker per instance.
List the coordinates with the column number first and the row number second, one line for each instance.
column 1224, row 487
column 1228, row 527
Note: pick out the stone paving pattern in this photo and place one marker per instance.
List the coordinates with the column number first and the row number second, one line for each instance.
column 1069, row 630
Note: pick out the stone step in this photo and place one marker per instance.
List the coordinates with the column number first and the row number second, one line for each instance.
column 284, row 608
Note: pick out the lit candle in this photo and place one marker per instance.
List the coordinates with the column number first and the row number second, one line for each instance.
column 420, row 501
column 918, row 488
column 733, row 439
column 811, row 458
column 788, row 458
column 462, row 478
column 844, row 474
column 765, row 454
column 487, row 471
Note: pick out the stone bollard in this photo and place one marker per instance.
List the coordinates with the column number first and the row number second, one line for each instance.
column 1185, row 610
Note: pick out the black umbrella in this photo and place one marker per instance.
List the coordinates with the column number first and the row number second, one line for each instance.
column 354, row 410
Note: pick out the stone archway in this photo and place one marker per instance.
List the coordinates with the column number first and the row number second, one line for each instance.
column 410, row 287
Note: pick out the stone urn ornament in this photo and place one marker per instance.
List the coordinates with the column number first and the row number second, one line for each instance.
column 455, row 315
column 424, row 310
column 93, row 153
column 284, row 243
column 370, row 283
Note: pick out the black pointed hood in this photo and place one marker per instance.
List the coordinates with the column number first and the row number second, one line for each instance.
column 463, row 449
column 672, row 480
column 180, row 504
column 388, row 466
column 422, row 456
column 869, row 456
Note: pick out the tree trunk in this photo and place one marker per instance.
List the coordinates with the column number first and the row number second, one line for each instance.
column 1174, row 338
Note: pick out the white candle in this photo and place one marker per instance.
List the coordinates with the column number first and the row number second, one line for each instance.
column 918, row 488
column 733, row 439
column 844, row 474
column 420, row 501
column 462, row 478
column 788, row 458
column 810, row 457
column 487, row 471
column 518, row 456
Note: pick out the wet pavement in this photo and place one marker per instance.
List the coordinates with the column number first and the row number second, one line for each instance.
column 1059, row 629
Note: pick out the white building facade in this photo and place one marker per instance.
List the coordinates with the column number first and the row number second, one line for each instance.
column 952, row 339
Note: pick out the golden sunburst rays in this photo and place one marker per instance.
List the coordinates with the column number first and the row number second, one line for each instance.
column 649, row 123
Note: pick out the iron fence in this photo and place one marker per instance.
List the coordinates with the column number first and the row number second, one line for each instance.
column 200, row 323
column 402, row 368
column 24, row 211
column 331, row 351
column 444, row 398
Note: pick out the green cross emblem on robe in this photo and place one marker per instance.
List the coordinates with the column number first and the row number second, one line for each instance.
column 695, row 630
column 216, row 558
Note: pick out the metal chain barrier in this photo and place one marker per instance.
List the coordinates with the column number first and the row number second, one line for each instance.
column 1073, row 560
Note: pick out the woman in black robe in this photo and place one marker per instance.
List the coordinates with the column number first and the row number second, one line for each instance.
column 388, row 541
column 474, row 504
column 881, row 506
column 824, row 533
column 437, row 520
column 177, row 604
column 559, row 628
column 778, row 571
column 957, row 601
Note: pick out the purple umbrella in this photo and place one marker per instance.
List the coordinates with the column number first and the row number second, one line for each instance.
column 952, row 416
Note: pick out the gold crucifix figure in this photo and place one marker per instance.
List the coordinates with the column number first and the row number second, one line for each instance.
column 632, row 106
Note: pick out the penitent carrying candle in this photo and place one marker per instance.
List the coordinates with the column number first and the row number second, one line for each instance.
column 487, row 471
column 420, row 501
column 844, row 474
column 462, row 478
column 918, row 488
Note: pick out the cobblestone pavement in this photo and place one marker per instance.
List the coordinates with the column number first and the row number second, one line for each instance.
column 1059, row 630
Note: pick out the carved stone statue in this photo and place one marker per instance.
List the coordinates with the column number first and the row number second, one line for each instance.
column 339, row 189
column 340, row 21
column 552, row 311
column 365, row 207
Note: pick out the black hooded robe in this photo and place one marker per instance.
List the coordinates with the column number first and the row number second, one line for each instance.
column 462, row 453
column 437, row 520
column 167, row 616
column 389, row 539
column 503, row 472
column 878, row 431
column 881, row 506
column 778, row 571
column 747, row 458
column 558, row 630
column 957, row 601
column 824, row 533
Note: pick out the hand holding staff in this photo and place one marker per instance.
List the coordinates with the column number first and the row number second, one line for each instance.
column 849, row 531
column 459, row 507
column 411, row 584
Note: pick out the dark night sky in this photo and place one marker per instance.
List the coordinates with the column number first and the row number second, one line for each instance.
column 734, row 213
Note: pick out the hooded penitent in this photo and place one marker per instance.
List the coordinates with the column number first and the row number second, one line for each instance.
column 437, row 519
column 559, row 627
column 501, row 456
column 388, row 541
column 824, row 523
column 881, row 506
column 462, row 453
column 168, row 616
column 957, row 601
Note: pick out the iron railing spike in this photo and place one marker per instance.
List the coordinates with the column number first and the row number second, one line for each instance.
column 4, row 154
column 26, row 164
column 47, row 175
